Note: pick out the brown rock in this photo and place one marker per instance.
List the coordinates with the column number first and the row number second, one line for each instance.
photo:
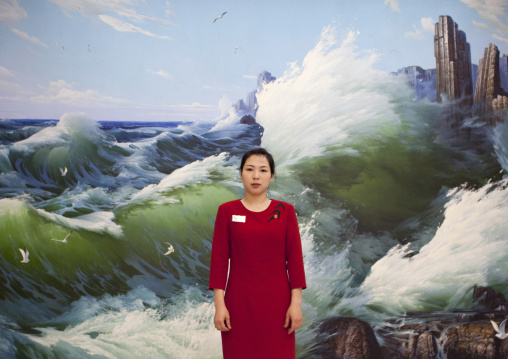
column 426, row 347
column 453, row 62
column 473, row 341
column 346, row 337
column 488, row 81
column 488, row 298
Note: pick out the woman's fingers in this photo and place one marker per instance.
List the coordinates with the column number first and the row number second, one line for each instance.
column 295, row 324
column 223, row 326
column 286, row 323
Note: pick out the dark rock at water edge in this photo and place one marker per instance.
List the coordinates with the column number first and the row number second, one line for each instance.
column 248, row 120
column 345, row 337
column 487, row 298
column 473, row 340
column 461, row 333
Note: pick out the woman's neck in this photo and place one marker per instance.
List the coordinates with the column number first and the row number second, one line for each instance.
column 255, row 203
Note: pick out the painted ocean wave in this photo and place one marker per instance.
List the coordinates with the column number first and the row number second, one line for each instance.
column 385, row 205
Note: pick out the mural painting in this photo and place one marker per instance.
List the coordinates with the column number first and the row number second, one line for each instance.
column 122, row 127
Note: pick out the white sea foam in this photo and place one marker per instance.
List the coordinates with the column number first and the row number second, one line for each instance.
column 138, row 325
column 99, row 222
column 193, row 173
column 71, row 125
column 468, row 249
column 331, row 101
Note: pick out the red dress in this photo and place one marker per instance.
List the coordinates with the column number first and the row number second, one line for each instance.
column 265, row 253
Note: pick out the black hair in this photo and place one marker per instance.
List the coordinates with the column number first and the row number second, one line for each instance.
column 259, row 152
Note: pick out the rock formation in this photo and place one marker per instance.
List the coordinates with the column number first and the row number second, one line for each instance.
column 487, row 298
column 503, row 72
column 248, row 120
column 489, row 95
column 422, row 81
column 250, row 106
column 458, row 333
column 488, row 83
column 453, row 62
column 344, row 337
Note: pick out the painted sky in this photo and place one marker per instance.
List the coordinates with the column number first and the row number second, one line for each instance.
column 170, row 61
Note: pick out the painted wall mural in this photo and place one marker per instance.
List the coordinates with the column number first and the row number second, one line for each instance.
column 122, row 126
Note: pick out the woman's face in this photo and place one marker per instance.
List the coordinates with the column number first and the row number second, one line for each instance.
column 256, row 175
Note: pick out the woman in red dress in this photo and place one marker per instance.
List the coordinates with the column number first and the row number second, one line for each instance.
column 256, row 269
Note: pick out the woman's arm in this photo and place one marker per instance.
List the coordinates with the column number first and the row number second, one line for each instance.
column 294, row 312
column 221, row 318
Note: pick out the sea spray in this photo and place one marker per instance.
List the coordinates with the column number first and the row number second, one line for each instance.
column 463, row 253
column 331, row 101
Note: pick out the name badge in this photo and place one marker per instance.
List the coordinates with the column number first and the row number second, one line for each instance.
column 240, row 219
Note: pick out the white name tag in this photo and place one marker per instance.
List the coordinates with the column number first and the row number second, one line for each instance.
column 238, row 218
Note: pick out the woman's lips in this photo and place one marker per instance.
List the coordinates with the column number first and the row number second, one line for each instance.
column 255, row 185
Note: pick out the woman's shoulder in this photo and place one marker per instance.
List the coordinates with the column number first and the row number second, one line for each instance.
column 230, row 204
column 284, row 205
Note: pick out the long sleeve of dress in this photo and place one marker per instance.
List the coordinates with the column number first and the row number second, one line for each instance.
column 220, row 251
column 294, row 256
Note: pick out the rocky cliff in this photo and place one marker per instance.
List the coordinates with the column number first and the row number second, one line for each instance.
column 489, row 95
column 453, row 62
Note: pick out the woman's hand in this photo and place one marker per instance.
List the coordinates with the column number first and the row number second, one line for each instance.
column 221, row 319
column 294, row 312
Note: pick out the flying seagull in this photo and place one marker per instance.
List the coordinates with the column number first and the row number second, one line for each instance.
column 220, row 17
column 501, row 334
column 65, row 239
column 61, row 45
column 238, row 48
column 170, row 249
column 25, row 254
column 63, row 171
column 89, row 49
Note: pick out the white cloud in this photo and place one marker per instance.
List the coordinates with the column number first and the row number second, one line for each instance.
column 5, row 72
column 394, row 4
column 480, row 25
column 428, row 24
column 27, row 37
column 161, row 73
column 493, row 12
column 11, row 14
column 93, row 8
column 123, row 26
column 497, row 37
column 169, row 10
column 416, row 34
column 61, row 92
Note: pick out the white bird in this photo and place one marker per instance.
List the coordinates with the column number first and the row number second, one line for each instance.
column 63, row 171
column 238, row 48
column 25, row 254
column 170, row 249
column 501, row 334
column 61, row 45
column 220, row 16
column 63, row 240
column 89, row 49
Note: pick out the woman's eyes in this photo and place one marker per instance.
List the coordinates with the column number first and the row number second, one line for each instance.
column 250, row 169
